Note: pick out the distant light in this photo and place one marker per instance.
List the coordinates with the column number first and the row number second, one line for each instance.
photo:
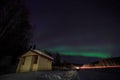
column 96, row 67
column 77, row 67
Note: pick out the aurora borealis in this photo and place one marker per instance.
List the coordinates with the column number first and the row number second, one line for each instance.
column 76, row 28
column 86, row 53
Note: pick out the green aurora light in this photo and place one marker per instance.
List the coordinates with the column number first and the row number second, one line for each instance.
column 68, row 51
column 87, row 54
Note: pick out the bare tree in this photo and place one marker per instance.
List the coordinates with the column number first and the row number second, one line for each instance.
column 14, row 27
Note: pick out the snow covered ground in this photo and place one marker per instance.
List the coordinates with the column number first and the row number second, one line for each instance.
column 89, row 74
column 43, row 75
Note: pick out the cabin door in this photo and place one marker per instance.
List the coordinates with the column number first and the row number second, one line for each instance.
column 34, row 63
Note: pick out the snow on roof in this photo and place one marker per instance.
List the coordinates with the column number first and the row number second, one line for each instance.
column 42, row 53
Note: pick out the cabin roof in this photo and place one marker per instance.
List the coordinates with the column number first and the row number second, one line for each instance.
column 42, row 53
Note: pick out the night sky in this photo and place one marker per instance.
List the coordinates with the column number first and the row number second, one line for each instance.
column 84, row 28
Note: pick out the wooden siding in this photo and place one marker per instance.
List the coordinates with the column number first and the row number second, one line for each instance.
column 43, row 63
column 29, row 53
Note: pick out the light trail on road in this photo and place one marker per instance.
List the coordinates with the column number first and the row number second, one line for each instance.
column 97, row 67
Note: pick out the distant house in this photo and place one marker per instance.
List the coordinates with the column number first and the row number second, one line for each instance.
column 34, row 60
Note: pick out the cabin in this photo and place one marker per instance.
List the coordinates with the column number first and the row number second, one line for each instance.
column 34, row 60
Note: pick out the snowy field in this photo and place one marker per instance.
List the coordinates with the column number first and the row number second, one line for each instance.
column 92, row 74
